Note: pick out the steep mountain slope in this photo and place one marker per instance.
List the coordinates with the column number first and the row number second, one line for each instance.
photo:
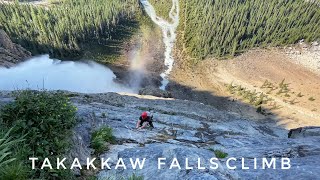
column 11, row 53
column 186, row 129
column 191, row 129
column 209, row 81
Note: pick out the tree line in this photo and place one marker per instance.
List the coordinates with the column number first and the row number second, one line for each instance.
column 210, row 28
column 62, row 29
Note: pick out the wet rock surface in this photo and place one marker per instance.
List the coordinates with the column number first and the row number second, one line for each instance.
column 185, row 129
column 11, row 53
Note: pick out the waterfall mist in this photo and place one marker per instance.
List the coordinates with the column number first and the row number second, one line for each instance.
column 137, row 68
column 42, row 72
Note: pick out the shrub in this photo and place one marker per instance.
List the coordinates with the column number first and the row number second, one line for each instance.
column 46, row 119
column 311, row 99
column 101, row 138
column 220, row 154
column 103, row 115
column 92, row 177
column 131, row 177
column 299, row 95
column 135, row 177
column 259, row 110
column 14, row 170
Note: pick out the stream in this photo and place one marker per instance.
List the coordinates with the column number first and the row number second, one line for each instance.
column 169, row 34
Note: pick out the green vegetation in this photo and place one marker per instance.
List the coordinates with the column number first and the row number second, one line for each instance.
column 282, row 88
column 44, row 119
column 66, row 29
column 262, row 99
column 96, row 29
column 311, row 99
column 15, row 171
column 299, row 95
column 163, row 8
column 101, row 138
column 132, row 177
column 223, row 28
column 219, row 154
column 6, row 142
column 259, row 99
column 252, row 97
column 135, row 177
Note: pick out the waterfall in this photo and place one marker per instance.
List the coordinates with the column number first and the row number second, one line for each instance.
column 169, row 34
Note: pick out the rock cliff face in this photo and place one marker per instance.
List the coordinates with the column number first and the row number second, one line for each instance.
column 185, row 129
column 11, row 53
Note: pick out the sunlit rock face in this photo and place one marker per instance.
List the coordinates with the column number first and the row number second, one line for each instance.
column 44, row 73
column 186, row 129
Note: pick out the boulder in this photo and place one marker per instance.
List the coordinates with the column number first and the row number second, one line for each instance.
column 315, row 43
column 303, row 132
column 153, row 91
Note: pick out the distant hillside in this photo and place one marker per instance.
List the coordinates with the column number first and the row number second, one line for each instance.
column 219, row 28
column 226, row 27
column 65, row 29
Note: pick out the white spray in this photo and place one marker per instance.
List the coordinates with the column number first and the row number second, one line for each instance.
column 137, row 67
column 43, row 72
column 169, row 34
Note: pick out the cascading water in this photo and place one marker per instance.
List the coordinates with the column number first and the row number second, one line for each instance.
column 169, row 34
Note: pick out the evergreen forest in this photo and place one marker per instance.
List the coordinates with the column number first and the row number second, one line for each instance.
column 208, row 28
column 220, row 28
column 65, row 28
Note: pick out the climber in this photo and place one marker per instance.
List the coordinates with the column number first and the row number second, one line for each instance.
column 144, row 121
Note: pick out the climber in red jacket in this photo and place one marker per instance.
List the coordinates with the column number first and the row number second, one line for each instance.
column 144, row 120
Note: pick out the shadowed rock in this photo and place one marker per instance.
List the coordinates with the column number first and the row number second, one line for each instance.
column 304, row 132
column 153, row 91
column 11, row 53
